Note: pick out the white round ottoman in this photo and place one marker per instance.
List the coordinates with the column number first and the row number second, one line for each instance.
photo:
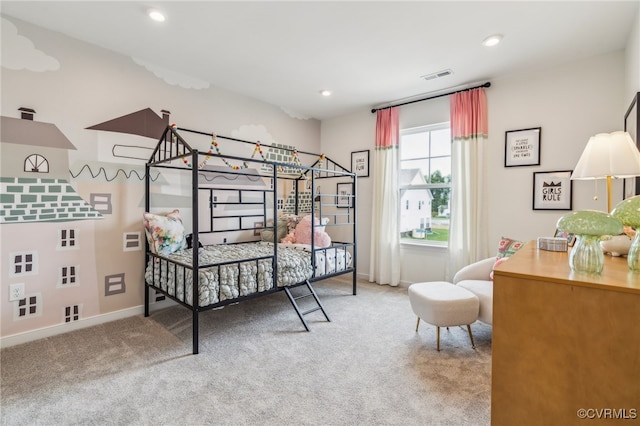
column 444, row 304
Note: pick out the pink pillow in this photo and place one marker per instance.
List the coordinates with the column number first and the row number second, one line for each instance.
column 302, row 234
column 508, row 246
column 499, row 262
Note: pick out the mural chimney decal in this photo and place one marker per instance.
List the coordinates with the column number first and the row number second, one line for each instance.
column 27, row 113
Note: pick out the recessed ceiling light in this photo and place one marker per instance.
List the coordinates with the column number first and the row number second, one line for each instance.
column 325, row 92
column 492, row 40
column 156, row 15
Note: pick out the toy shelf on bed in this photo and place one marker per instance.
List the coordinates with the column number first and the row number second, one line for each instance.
column 240, row 208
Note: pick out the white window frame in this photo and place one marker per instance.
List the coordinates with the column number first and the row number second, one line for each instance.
column 72, row 313
column 71, row 273
column 69, row 239
column 131, row 241
column 13, row 262
column 413, row 130
column 29, row 302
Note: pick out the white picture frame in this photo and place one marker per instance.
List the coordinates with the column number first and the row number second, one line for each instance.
column 552, row 190
column 360, row 163
column 344, row 197
column 522, row 147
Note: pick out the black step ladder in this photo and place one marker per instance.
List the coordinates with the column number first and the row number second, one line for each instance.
column 301, row 314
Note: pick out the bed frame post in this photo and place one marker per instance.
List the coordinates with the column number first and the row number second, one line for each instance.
column 355, row 256
column 146, row 241
column 195, row 275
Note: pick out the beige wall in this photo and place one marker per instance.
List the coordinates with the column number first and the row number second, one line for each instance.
column 570, row 103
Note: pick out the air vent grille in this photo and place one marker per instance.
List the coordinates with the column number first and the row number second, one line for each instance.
column 438, row 74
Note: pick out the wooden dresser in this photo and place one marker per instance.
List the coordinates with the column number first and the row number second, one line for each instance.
column 564, row 341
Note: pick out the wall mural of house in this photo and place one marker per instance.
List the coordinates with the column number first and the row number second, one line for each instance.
column 115, row 184
column 47, row 229
column 90, row 269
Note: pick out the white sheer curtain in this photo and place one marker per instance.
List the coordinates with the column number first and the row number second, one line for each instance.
column 468, row 225
column 385, row 242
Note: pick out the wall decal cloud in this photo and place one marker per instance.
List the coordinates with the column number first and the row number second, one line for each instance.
column 293, row 114
column 19, row 53
column 172, row 77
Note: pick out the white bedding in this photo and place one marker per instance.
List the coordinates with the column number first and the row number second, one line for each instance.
column 241, row 278
column 325, row 258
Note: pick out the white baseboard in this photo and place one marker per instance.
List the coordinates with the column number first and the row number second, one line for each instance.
column 41, row 333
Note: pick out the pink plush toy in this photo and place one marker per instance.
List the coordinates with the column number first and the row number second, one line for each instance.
column 302, row 234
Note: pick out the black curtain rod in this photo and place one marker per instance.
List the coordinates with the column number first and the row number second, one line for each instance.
column 487, row 84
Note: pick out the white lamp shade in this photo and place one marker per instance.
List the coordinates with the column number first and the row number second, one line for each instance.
column 608, row 154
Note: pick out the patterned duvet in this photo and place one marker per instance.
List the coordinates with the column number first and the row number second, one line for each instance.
column 240, row 277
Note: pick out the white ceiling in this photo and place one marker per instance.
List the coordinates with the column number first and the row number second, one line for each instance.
column 367, row 53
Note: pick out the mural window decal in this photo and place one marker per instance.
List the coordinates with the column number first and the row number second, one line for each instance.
column 71, row 313
column 68, row 239
column 28, row 307
column 69, row 276
column 24, row 263
column 36, row 163
column 114, row 284
column 101, row 203
column 131, row 241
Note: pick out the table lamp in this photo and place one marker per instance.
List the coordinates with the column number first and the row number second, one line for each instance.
column 608, row 155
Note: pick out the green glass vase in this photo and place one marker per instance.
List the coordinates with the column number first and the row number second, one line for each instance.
column 633, row 258
column 586, row 255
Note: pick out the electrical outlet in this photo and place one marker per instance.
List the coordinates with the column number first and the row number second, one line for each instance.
column 16, row 292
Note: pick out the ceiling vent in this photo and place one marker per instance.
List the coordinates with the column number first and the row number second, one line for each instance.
column 438, row 74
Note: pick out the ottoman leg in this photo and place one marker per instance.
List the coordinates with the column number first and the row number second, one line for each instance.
column 473, row 345
column 438, row 338
column 417, row 324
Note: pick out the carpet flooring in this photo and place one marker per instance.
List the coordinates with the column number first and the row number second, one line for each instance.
column 257, row 366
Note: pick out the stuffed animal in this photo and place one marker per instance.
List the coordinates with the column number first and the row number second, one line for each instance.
column 302, row 234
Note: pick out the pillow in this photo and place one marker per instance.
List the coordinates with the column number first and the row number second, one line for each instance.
column 165, row 232
column 302, row 234
column 507, row 247
column 495, row 265
column 291, row 220
column 267, row 234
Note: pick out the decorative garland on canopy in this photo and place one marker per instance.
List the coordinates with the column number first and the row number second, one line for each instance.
column 256, row 150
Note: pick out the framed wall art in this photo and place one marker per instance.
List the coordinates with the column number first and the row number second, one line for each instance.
column 360, row 163
column 552, row 190
column 522, row 147
column 631, row 186
column 344, row 197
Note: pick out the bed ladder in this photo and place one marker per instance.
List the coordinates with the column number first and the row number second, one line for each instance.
column 301, row 314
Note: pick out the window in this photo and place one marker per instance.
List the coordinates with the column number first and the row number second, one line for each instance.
column 425, row 184
column 24, row 263
column 114, row 284
column 71, row 313
column 68, row 277
column 101, row 203
column 68, row 239
column 29, row 307
column 131, row 241
column 36, row 163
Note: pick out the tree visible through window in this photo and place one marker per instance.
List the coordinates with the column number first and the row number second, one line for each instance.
column 425, row 184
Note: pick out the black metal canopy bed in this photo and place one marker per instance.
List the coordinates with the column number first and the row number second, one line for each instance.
column 259, row 224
